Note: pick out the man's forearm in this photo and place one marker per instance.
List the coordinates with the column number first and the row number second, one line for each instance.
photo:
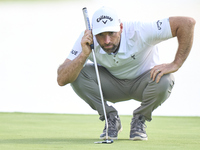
column 184, row 33
column 69, row 70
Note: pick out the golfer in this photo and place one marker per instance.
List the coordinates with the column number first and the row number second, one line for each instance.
column 129, row 67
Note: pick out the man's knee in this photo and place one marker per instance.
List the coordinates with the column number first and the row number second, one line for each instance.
column 166, row 83
column 164, row 87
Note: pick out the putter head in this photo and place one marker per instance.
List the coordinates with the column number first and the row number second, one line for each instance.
column 104, row 142
column 108, row 141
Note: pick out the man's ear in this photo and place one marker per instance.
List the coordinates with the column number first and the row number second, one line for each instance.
column 121, row 27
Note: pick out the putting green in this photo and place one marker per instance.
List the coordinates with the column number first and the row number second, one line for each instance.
column 24, row 131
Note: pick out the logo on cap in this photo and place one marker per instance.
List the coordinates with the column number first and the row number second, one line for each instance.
column 104, row 19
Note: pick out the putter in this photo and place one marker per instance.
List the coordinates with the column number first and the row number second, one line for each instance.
column 87, row 23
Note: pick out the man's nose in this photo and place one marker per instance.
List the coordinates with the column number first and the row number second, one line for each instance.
column 107, row 39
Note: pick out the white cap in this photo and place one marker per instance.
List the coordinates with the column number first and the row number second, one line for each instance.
column 105, row 19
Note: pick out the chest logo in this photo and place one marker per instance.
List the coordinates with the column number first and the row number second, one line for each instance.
column 133, row 56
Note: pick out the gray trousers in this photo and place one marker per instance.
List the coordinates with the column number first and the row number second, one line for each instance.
column 142, row 88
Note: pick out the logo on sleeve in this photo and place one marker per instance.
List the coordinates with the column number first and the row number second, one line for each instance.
column 74, row 52
column 159, row 23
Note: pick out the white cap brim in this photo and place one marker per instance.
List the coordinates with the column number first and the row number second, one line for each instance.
column 106, row 29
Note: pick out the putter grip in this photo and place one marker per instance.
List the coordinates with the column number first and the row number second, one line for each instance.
column 87, row 22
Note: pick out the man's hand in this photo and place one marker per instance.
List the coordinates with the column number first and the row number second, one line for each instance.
column 162, row 69
column 86, row 41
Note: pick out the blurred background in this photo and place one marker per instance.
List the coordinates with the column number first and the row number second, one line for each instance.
column 37, row 36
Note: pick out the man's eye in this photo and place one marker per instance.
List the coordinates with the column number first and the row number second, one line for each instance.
column 111, row 33
column 100, row 34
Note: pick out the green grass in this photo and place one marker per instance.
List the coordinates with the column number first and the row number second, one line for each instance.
column 25, row 131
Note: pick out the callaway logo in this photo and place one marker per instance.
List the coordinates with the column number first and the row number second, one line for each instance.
column 104, row 19
column 133, row 56
column 159, row 23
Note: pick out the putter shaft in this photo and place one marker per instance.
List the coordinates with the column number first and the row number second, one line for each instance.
column 87, row 22
column 100, row 90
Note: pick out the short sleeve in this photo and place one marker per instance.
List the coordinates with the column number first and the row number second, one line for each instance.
column 76, row 50
column 155, row 32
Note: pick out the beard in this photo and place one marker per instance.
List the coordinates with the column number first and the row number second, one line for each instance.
column 110, row 48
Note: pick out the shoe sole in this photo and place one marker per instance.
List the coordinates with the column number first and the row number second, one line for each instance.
column 138, row 138
column 111, row 138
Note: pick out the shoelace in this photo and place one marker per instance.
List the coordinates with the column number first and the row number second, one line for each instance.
column 111, row 124
column 137, row 124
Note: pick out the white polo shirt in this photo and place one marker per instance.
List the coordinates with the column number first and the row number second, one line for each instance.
column 137, row 52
